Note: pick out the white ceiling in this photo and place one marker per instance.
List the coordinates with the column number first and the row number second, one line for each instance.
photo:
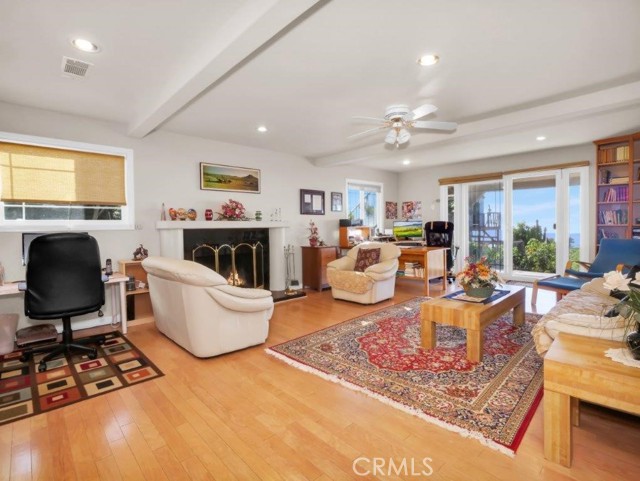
column 509, row 71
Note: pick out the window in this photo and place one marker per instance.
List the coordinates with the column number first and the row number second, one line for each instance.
column 364, row 201
column 47, row 183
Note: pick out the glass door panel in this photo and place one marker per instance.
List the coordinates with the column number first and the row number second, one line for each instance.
column 485, row 233
column 575, row 219
column 534, row 201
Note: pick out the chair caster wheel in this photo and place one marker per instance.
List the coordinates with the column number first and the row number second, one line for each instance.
column 93, row 354
column 42, row 367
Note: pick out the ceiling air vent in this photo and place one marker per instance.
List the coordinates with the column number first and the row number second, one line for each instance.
column 72, row 67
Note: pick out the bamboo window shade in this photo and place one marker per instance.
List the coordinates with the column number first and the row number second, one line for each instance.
column 36, row 174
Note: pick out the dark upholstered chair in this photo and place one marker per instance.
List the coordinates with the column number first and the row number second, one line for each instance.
column 613, row 254
column 440, row 234
column 64, row 279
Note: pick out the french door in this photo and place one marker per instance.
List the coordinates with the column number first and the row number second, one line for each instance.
column 527, row 224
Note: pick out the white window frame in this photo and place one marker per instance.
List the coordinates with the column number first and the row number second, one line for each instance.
column 380, row 203
column 127, row 222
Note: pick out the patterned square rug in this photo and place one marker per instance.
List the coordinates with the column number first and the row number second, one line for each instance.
column 380, row 355
column 68, row 379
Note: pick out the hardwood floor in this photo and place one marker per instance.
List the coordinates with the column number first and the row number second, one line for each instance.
column 248, row 416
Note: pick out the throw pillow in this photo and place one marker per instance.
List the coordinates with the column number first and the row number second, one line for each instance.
column 366, row 258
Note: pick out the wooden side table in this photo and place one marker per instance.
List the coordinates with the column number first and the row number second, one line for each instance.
column 575, row 368
column 314, row 265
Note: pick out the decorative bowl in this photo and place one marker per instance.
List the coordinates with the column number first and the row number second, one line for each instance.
column 479, row 292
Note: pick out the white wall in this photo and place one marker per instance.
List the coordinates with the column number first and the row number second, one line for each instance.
column 167, row 170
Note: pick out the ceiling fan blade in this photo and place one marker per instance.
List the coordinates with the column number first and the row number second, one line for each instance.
column 433, row 124
column 367, row 132
column 370, row 119
column 420, row 112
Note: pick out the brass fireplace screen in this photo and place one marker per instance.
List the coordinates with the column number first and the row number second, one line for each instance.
column 232, row 262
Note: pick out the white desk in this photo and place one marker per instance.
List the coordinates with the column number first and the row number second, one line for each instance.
column 117, row 298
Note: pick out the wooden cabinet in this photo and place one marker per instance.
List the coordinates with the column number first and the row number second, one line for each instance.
column 351, row 236
column 618, row 187
column 314, row 266
column 138, row 300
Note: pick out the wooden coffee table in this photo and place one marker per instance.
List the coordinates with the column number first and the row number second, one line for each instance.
column 470, row 316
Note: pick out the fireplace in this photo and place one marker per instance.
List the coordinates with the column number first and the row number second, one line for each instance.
column 241, row 264
column 179, row 238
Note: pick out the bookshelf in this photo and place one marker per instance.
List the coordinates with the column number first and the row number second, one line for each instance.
column 139, row 310
column 352, row 236
column 618, row 187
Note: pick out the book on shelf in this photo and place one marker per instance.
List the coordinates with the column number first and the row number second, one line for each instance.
column 622, row 153
column 610, row 155
column 616, row 194
column 613, row 216
column 619, row 180
column 607, row 234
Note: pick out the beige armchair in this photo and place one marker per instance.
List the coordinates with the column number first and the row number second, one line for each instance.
column 376, row 283
column 196, row 308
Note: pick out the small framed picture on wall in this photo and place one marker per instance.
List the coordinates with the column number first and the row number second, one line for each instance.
column 312, row 202
column 336, row 201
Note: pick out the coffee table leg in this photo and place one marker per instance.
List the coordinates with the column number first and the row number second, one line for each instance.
column 518, row 315
column 475, row 341
column 428, row 332
column 557, row 427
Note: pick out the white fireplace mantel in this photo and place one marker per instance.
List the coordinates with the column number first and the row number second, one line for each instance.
column 172, row 241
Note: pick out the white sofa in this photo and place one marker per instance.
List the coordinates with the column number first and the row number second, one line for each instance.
column 377, row 283
column 196, row 308
column 580, row 312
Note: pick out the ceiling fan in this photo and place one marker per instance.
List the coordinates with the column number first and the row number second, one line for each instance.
column 399, row 119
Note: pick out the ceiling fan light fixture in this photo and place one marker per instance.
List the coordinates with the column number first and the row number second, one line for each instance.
column 391, row 137
column 403, row 136
column 429, row 59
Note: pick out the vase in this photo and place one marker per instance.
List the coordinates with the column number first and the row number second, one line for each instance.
column 633, row 343
column 208, row 214
column 313, row 242
column 479, row 292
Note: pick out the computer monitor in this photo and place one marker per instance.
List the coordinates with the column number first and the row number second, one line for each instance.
column 408, row 229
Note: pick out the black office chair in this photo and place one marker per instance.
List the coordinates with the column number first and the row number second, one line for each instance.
column 64, row 279
column 440, row 234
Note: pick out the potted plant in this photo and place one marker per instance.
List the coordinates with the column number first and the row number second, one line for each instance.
column 314, row 237
column 233, row 210
column 629, row 306
column 478, row 279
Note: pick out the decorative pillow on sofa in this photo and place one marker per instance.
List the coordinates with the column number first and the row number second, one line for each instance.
column 366, row 258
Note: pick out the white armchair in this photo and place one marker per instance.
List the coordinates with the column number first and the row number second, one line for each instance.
column 196, row 308
column 376, row 283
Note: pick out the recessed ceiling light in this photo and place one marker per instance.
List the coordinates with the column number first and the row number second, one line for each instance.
column 406, row 162
column 262, row 129
column 85, row 45
column 540, row 138
column 430, row 59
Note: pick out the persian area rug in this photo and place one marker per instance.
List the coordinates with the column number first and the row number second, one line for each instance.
column 380, row 354
column 25, row 392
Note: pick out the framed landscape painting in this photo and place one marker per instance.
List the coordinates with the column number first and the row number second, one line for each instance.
column 229, row 178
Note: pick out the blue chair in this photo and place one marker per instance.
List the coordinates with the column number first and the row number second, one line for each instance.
column 613, row 254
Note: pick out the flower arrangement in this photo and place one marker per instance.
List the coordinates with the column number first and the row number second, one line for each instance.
column 314, row 237
column 477, row 274
column 232, row 210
